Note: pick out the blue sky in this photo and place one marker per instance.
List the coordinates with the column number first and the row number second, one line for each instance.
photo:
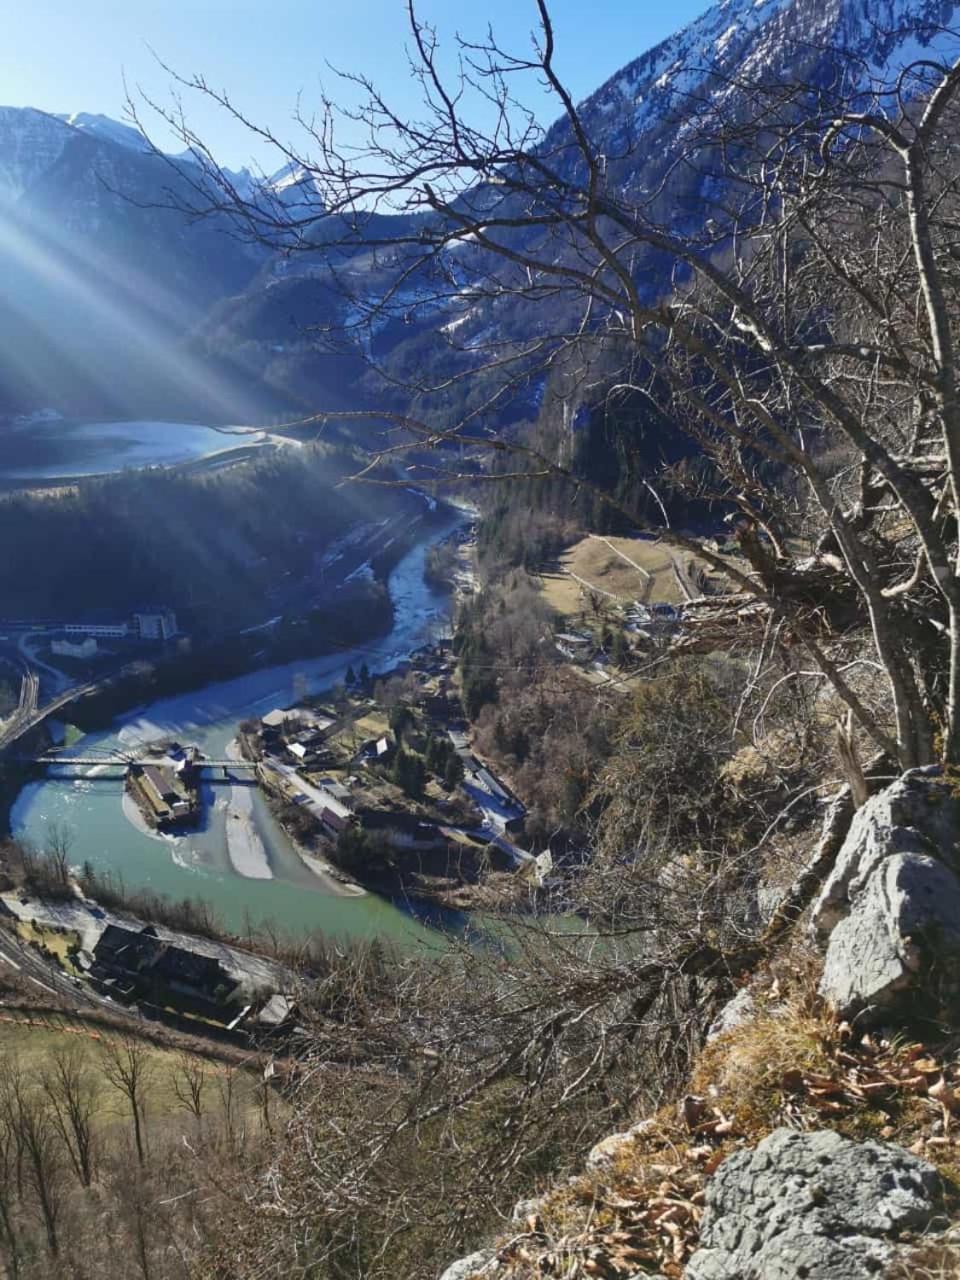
column 60, row 55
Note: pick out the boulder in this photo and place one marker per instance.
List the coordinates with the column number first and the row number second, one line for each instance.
column 741, row 1009
column 482, row 1263
column 812, row 1206
column 889, row 912
column 615, row 1144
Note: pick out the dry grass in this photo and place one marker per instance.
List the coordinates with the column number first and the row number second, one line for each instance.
column 30, row 1039
column 56, row 942
column 792, row 1064
column 621, row 570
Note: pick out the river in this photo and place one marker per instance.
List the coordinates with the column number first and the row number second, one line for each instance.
column 197, row 864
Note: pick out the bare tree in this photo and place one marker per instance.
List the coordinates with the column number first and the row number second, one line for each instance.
column 8, row 1193
column 57, row 845
column 71, row 1088
column 126, row 1065
column 802, row 334
column 189, row 1079
column 37, row 1148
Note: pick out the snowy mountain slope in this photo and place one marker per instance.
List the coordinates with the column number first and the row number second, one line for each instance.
column 637, row 120
column 59, row 179
column 859, row 44
column 105, row 127
column 95, row 275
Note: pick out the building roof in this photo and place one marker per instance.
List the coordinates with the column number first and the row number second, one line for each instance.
column 163, row 780
column 277, row 1009
column 275, row 719
column 142, row 952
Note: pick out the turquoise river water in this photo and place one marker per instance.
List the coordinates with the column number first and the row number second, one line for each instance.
column 197, row 864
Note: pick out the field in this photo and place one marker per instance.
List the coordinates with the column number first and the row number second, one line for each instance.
column 618, row 571
column 31, row 1038
column 57, row 942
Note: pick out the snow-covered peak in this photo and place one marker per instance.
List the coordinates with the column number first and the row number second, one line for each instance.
column 105, row 127
column 752, row 41
column 30, row 143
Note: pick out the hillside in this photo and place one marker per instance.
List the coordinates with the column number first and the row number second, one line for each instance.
column 693, row 352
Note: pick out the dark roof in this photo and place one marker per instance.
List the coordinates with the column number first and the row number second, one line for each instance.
column 142, row 952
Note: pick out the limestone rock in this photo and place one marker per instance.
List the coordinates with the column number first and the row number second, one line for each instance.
column 742, row 1008
column 482, row 1263
column 889, row 913
column 610, row 1147
column 812, row 1206
column 525, row 1209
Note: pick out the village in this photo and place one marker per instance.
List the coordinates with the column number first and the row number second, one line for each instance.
column 380, row 782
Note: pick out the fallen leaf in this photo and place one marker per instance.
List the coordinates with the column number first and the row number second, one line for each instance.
column 943, row 1094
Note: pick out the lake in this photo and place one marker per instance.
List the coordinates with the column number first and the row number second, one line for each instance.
column 63, row 449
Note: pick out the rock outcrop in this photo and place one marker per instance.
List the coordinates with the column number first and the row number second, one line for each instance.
column 812, row 1206
column 482, row 1263
column 889, row 913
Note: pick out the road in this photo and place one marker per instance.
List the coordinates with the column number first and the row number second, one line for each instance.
column 60, row 679
column 22, row 721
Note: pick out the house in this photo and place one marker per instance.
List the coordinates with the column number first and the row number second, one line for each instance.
column 138, row 963
column 75, row 649
column 490, row 784
column 106, row 630
column 320, row 721
column 577, row 648
column 280, row 720
column 165, row 793
column 377, row 749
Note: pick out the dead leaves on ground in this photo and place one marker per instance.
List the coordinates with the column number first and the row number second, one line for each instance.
column 630, row 1229
column 641, row 1213
column 877, row 1074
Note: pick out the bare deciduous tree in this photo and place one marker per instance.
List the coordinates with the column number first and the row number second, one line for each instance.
column 37, row 1146
column 72, row 1092
column 126, row 1064
column 802, row 331
column 189, row 1080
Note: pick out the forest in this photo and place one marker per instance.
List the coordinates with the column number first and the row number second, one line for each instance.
column 217, row 548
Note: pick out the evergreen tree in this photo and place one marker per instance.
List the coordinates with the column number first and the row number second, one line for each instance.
column 399, row 718
column 453, row 772
column 409, row 773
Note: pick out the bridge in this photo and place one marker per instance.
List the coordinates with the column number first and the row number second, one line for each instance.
column 124, row 761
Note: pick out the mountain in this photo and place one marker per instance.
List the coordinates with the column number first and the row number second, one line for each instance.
column 107, row 299
column 638, row 120
column 99, row 283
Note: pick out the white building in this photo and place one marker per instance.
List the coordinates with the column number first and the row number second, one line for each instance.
column 156, row 624
column 75, row 649
column 106, row 630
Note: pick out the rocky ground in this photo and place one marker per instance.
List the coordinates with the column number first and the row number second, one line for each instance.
column 820, row 1137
